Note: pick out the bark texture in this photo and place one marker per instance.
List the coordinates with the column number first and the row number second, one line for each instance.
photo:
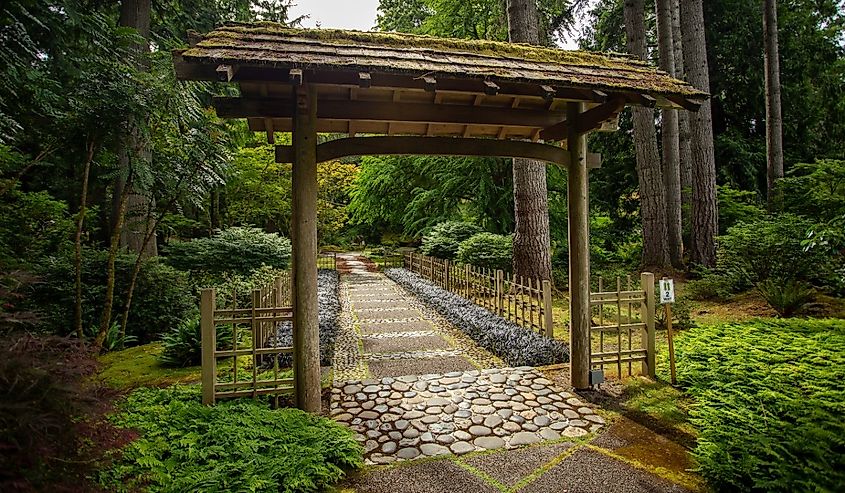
column 139, row 205
column 683, row 116
column 531, row 241
column 652, row 199
column 774, row 121
column 704, row 214
column 669, row 136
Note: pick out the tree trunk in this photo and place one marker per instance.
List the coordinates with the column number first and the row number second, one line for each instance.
column 774, row 122
column 652, row 199
column 531, row 241
column 683, row 117
column 114, row 247
column 80, row 221
column 669, row 135
column 136, row 14
column 704, row 220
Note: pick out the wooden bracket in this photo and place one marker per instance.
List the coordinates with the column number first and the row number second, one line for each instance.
column 295, row 76
column 225, row 73
column 364, row 79
column 548, row 93
column 586, row 121
column 491, row 88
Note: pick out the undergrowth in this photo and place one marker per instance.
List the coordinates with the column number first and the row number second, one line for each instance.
column 769, row 400
column 239, row 445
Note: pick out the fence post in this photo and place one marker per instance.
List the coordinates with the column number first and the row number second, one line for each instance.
column 647, row 285
column 209, row 345
column 466, row 278
column 499, row 292
column 446, row 275
column 548, row 322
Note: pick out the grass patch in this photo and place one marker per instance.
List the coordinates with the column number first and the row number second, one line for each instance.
column 140, row 367
column 769, row 400
column 238, row 445
column 660, row 401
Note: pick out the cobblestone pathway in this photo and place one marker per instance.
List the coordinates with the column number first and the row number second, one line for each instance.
column 411, row 385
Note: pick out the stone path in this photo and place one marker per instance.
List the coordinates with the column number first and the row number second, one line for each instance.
column 412, row 385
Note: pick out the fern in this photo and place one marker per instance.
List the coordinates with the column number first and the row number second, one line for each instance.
column 236, row 445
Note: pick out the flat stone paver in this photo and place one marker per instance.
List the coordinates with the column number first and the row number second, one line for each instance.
column 511, row 466
column 441, row 476
column 400, row 344
column 418, row 366
column 375, row 326
column 389, row 314
column 588, row 471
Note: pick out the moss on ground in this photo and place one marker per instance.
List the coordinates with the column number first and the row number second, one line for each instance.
column 140, row 367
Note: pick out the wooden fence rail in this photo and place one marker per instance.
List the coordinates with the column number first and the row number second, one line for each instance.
column 525, row 302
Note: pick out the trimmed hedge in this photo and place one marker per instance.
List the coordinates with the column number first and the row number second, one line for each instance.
column 237, row 249
column 770, row 397
column 442, row 240
column 487, row 250
column 515, row 345
column 328, row 308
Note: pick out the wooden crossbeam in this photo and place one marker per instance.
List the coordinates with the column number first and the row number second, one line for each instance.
column 437, row 146
column 391, row 112
column 586, row 121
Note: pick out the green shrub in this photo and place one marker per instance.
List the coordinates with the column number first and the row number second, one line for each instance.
column 736, row 206
column 32, row 225
column 769, row 400
column 442, row 240
column 487, row 250
column 238, row 445
column 162, row 297
column 182, row 344
column 787, row 297
column 240, row 250
column 709, row 286
column 681, row 314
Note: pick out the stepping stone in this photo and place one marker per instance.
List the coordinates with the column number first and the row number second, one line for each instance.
column 460, row 448
column 523, row 438
column 489, row 443
column 433, row 449
column 389, row 315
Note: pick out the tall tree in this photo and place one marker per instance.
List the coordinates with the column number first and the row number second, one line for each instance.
column 531, row 241
column 669, row 136
column 685, row 150
column 774, row 122
column 652, row 195
column 134, row 225
column 704, row 220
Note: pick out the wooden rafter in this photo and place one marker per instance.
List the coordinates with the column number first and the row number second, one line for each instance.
column 391, row 112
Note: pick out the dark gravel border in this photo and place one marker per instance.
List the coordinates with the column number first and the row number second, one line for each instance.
column 515, row 345
column 328, row 308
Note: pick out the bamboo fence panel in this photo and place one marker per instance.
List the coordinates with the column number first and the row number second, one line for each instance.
column 623, row 326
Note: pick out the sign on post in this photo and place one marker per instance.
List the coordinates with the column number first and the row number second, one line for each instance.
column 667, row 291
column 667, row 297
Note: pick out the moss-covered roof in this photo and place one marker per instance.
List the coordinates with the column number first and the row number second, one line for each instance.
column 271, row 44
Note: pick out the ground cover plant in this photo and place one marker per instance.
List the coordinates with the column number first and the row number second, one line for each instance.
column 514, row 344
column 328, row 314
column 240, row 445
column 769, row 400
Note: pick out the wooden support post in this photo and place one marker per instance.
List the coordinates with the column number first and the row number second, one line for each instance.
column 209, row 345
column 648, row 337
column 579, row 251
column 306, row 335
column 548, row 322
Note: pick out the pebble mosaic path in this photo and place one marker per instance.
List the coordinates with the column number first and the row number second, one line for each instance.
column 411, row 385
